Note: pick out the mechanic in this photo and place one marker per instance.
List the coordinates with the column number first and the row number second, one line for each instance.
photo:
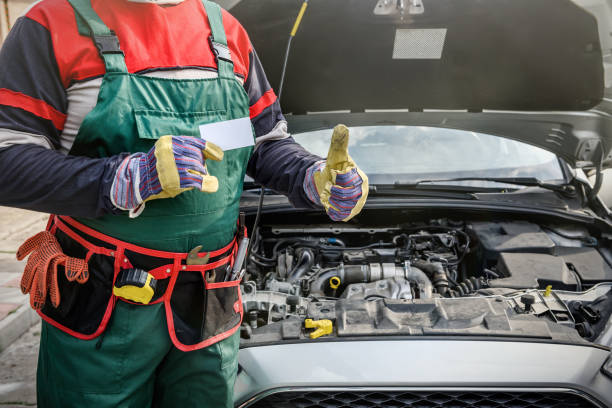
column 105, row 109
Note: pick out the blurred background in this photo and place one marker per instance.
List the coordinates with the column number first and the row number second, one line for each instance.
column 9, row 11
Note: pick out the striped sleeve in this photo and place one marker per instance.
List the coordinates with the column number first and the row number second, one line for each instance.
column 33, row 100
column 264, row 108
column 33, row 106
column 279, row 163
column 36, row 178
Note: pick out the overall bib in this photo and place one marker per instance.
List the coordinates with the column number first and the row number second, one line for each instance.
column 97, row 350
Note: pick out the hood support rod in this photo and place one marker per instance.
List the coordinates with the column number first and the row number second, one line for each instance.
column 598, row 176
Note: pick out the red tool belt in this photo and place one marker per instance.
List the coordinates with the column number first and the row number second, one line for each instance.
column 199, row 313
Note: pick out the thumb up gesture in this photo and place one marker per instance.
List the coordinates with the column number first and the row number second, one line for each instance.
column 337, row 183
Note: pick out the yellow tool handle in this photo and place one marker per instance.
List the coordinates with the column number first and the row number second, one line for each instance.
column 298, row 20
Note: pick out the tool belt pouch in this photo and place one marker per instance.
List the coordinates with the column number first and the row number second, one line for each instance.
column 85, row 308
column 200, row 313
column 199, row 310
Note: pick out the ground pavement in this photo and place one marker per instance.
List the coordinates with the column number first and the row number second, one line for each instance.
column 19, row 325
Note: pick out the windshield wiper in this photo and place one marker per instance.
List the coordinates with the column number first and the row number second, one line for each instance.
column 406, row 190
column 567, row 189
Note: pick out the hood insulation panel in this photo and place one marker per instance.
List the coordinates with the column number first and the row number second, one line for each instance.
column 456, row 54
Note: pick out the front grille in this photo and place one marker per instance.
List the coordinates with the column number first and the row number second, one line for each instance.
column 422, row 399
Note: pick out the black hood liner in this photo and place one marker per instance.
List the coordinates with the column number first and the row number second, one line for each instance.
column 498, row 54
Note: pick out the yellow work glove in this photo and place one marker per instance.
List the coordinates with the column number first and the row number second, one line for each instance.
column 175, row 164
column 337, row 183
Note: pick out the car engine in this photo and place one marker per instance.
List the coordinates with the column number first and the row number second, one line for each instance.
column 440, row 276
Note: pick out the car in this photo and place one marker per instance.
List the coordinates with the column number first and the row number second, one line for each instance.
column 479, row 273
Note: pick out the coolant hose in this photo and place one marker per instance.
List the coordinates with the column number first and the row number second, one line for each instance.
column 437, row 273
column 417, row 275
column 304, row 264
column 363, row 273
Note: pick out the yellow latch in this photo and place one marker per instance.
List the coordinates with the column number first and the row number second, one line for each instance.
column 548, row 290
column 323, row 327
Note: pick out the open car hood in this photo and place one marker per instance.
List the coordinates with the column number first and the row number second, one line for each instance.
column 537, row 65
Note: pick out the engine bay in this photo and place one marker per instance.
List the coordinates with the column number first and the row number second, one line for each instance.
column 437, row 277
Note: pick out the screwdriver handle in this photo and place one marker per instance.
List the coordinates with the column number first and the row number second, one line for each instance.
column 240, row 257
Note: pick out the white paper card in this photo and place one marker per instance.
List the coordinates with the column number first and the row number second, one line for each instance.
column 229, row 134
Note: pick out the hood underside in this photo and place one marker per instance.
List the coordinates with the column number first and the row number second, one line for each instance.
column 360, row 56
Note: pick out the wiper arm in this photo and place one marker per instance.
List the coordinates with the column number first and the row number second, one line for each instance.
column 406, row 190
column 520, row 181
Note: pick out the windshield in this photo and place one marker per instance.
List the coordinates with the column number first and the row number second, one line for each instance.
column 390, row 154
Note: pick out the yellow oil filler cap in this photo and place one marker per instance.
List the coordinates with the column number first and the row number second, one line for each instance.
column 323, row 327
column 135, row 285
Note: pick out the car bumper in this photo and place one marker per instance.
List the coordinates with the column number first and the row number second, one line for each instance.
column 443, row 364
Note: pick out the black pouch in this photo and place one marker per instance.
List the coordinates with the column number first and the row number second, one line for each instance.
column 200, row 313
column 85, row 308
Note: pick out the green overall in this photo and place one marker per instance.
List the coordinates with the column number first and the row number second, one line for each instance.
column 134, row 363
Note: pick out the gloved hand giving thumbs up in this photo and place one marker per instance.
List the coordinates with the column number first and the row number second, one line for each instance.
column 337, row 183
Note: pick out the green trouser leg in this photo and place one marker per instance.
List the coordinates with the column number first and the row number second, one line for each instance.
column 202, row 378
column 134, row 365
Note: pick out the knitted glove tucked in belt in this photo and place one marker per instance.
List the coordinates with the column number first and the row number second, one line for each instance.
column 337, row 183
column 40, row 275
column 174, row 165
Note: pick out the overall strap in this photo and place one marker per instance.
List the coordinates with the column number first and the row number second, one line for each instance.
column 91, row 25
column 218, row 40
